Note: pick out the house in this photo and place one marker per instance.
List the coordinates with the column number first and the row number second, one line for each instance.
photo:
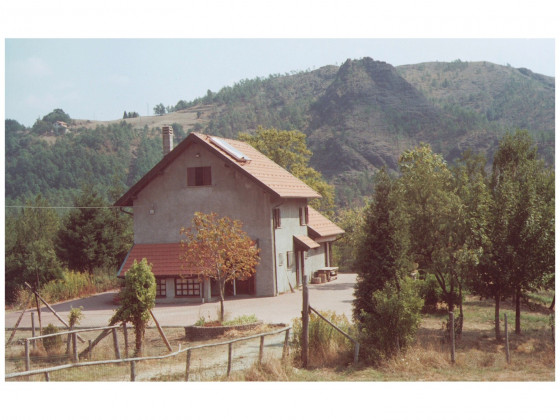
column 210, row 174
column 60, row 127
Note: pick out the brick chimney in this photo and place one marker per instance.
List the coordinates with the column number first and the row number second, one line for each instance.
column 167, row 133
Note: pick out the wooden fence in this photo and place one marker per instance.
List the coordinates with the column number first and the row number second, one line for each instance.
column 132, row 361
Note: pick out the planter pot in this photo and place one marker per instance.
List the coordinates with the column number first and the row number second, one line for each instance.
column 196, row 333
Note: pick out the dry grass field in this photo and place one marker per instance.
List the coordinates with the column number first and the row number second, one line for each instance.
column 479, row 357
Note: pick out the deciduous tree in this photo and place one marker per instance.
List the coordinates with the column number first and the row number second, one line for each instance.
column 437, row 217
column 523, row 193
column 289, row 150
column 218, row 248
column 159, row 109
column 30, row 255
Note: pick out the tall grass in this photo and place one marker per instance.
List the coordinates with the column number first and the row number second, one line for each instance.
column 72, row 285
column 327, row 347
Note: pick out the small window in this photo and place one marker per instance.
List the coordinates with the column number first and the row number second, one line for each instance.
column 187, row 287
column 161, row 290
column 290, row 259
column 277, row 218
column 199, row 176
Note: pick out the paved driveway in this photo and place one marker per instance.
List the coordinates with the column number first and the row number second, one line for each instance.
column 336, row 296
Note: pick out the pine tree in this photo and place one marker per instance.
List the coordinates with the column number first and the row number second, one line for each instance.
column 382, row 254
column 91, row 236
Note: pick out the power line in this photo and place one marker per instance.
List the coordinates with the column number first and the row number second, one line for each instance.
column 67, row 207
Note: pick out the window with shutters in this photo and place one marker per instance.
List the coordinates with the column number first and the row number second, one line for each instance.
column 199, row 176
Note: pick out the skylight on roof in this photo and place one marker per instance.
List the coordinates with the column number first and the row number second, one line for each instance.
column 229, row 149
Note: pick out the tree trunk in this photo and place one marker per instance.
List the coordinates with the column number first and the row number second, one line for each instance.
column 518, row 311
column 222, row 292
column 460, row 329
column 139, row 331
column 497, row 317
column 552, row 304
column 450, row 305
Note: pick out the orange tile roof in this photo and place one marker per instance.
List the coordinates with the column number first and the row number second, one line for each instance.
column 260, row 168
column 322, row 226
column 163, row 257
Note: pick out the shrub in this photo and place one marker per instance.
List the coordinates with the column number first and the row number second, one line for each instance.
column 74, row 284
column 52, row 344
column 430, row 291
column 392, row 324
column 75, row 316
column 201, row 321
column 327, row 346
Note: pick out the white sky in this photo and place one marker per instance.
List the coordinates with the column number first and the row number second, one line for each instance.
column 100, row 67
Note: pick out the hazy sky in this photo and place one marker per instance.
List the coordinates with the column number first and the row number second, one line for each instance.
column 101, row 78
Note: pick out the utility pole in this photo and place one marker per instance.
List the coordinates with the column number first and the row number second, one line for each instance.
column 305, row 325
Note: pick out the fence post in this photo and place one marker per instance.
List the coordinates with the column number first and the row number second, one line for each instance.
column 261, row 350
column 507, row 338
column 125, row 333
column 230, row 350
column 116, row 344
column 75, row 347
column 132, row 371
column 452, row 323
column 305, row 325
column 188, row 365
column 47, row 377
column 68, row 341
column 286, row 349
column 33, row 329
column 90, row 350
column 27, row 358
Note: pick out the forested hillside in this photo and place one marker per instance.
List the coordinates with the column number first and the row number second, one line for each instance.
column 358, row 117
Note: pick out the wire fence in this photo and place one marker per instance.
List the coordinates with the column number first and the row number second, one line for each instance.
column 109, row 359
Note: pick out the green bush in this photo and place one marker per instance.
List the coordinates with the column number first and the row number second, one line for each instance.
column 52, row 344
column 430, row 291
column 393, row 322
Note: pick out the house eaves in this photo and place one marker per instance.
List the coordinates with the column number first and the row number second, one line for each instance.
column 262, row 170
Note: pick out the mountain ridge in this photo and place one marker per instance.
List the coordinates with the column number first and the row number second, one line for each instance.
column 363, row 114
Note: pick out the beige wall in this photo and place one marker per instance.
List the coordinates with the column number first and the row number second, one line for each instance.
column 231, row 194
